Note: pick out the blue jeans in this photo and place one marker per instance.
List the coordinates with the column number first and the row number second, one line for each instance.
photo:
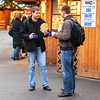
column 68, row 69
column 42, row 64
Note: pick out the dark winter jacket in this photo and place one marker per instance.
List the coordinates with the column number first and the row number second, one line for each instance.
column 24, row 18
column 65, row 34
column 16, row 25
column 28, row 27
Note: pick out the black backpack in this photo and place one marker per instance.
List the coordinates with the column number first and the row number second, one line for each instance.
column 77, row 34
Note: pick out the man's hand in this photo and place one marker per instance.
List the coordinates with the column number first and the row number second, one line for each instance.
column 31, row 36
column 45, row 32
column 52, row 34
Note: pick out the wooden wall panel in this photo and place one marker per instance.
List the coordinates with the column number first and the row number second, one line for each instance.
column 51, row 43
column 51, row 50
column 89, row 54
column 7, row 17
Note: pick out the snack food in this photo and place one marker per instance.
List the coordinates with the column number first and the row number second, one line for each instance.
column 43, row 27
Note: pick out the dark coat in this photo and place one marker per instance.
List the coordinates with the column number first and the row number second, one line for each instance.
column 28, row 28
column 16, row 25
column 24, row 18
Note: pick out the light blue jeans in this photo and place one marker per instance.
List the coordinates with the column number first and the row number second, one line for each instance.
column 68, row 69
column 42, row 64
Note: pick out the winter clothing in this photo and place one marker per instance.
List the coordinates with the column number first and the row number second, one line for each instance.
column 35, row 47
column 67, row 56
column 29, row 26
column 17, row 41
column 24, row 18
column 65, row 34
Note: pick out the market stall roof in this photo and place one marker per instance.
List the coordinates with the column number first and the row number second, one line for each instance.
column 1, row 2
column 26, row 0
column 13, row 5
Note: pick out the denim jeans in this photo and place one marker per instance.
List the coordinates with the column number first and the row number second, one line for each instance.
column 68, row 69
column 42, row 64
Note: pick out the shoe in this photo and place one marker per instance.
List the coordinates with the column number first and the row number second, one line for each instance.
column 26, row 54
column 63, row 94
column 16, row 59
column 63, row 90
column 32, row 88
column 47, row 88
column 22, row 57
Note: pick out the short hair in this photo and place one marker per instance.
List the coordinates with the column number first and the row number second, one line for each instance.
column 35, row 9
column 17, row 15
column 65, row 8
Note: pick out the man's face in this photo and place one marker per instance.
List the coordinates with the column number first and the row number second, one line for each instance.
column 36, row 14
column 62, row 14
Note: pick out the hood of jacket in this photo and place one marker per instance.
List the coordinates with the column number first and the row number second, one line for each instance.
column 39, row 21
column 68, row 17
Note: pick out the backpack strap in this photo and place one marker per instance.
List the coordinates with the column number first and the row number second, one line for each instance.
column 72, row 21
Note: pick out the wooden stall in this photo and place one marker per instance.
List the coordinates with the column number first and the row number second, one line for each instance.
column 2, row 19
column 9, row 8
column 6, row 15
column 89, row 53
column 25, row 0
column 51, row 43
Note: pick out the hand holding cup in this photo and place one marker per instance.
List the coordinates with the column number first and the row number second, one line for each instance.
column 33, row 35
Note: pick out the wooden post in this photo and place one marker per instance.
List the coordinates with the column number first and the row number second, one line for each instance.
column 51, row 43
column 7, row 18
column 49, row 13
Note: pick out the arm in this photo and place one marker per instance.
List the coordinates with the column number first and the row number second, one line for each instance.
column 23, row 31
column 65, row 33
column 46, row 35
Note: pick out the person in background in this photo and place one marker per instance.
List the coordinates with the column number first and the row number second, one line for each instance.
column 17, row 41
column 35, row 47
column 24, row 17
column 12, row 55
column 67, row 53
column 20, row 55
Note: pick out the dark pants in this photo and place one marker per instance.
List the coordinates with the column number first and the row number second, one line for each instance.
column 16, row 54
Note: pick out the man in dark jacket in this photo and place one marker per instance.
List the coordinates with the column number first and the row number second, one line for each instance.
column 68, row 52
column 35, row 46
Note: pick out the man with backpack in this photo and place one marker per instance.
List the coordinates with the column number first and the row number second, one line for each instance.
column 35, row 46
column 68, row 52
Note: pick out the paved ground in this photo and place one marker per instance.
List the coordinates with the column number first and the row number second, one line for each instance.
column 14, row 82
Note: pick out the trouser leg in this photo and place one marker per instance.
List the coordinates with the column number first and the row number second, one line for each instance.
column 42, row 64
column 16, row 54
column 31, row 61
